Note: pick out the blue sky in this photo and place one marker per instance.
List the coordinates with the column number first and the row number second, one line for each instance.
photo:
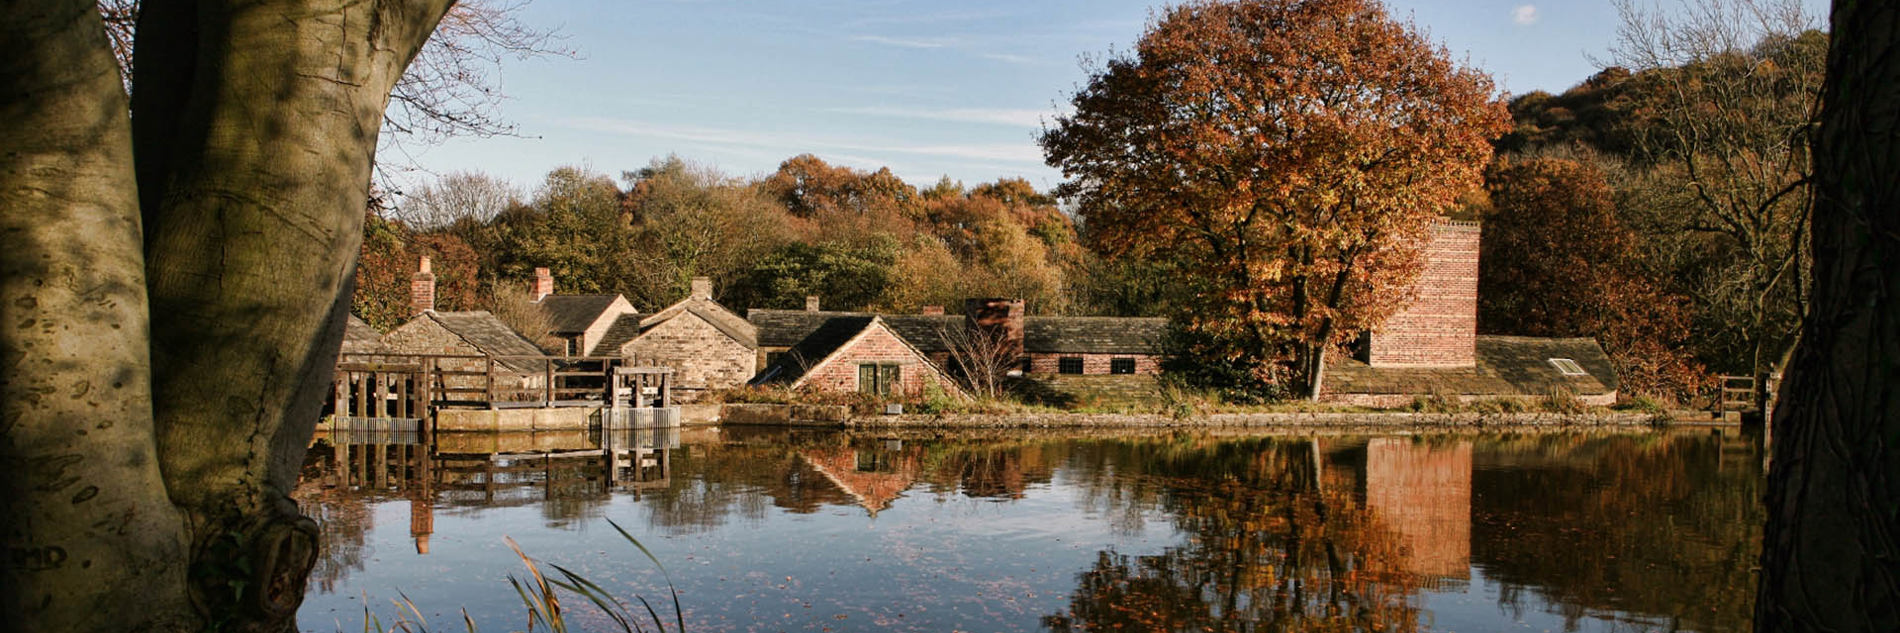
column 926, row 88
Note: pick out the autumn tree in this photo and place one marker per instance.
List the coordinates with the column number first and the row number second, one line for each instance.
column 456, row 197
column 1556, row 260
column 175, row 278
column 1828, row 559
column 1289, row 155
column 691, row 221
column 1728, row 90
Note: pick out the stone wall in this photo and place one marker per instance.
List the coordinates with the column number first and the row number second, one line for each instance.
column 702, row 357
column 877, row 345
column 1147, row 365
column 1439, row 327
column 1402, row 400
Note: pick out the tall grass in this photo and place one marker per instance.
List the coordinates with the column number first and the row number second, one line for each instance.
column 541, row 595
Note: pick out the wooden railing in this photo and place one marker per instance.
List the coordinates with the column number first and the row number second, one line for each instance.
column 1737, row 394
column 401, row 385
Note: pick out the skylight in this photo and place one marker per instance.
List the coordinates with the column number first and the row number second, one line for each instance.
column 1568, row 367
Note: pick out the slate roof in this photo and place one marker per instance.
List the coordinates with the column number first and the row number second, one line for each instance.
column 1041, row 334
column 833, row 333
column 1092, row 335
column 631, row 326
column 572, row 314
column 359, row 337
column 1507, row 366
column 787, row 328
column 492, row 337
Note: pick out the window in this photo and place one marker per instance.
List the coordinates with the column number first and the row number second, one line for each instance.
column 1568, row 367
column 1121, row 366
column 879, row 378
column 1069, row 365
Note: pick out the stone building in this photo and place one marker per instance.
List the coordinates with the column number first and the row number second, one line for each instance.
column 475, row 341
column 859, row 353
column 1432, row 345
column 579, row 321
column 359, row 337
column 707, row 346
column 1039, row 344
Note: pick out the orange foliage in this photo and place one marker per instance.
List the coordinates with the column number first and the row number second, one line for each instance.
column 1557, row 261
column 1291, row 155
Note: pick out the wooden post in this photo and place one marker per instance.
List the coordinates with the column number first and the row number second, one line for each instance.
column 489, row 391
column 547, row 389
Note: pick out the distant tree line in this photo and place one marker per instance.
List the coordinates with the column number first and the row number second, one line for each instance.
column 858, row 240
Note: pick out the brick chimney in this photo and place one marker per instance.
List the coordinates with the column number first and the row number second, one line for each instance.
column 543, row 284
column 933, row 310
column 811, row 303
column 1439, row 327
column 1000, row 316
column 422, row 289
column 702, row 288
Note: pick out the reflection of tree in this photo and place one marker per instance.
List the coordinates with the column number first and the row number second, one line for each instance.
column 1661, row 525
column 344, row 515
column 1267, row 547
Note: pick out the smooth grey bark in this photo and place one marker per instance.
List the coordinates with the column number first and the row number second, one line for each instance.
column 88, row 528
column 155, row 453
column 1831, row 551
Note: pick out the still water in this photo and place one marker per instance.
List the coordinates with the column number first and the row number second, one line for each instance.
column 770, row 530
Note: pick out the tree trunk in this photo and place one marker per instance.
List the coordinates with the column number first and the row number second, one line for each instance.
column 149, row 452
column 1831, row 552
column 89, row 531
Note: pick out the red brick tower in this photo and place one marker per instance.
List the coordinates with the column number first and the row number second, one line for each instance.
column 1439, row 327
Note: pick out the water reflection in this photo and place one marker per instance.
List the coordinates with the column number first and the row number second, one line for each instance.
column 925, row 531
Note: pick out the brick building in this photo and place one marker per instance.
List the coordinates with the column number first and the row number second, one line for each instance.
column 1432, row 345
column 706, row 345
column 1040, row 344
column 858, row 353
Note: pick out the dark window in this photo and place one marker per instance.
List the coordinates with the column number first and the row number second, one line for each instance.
column 880, row 379
column 1069, row 365
column 1121, row 366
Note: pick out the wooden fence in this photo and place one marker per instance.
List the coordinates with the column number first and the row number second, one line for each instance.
column 404, row 385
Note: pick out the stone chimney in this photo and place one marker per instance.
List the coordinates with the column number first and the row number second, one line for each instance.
column 933, row 310
column 422, row 289
column 702, row 289
column 1439, row 326
column 543, row 284
column 1001, row 317
column 811, row 303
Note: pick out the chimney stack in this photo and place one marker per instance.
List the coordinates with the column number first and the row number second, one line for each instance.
column 422, row 289
column 702, row 288
column 998, row 317
column 543, row 283
column 933, row 310
column 811, row 303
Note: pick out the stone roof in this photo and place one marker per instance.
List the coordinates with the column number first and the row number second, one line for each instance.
column 359, row 337
column 492, row 337
column 787, row 328
column 573, row 314
column 817, row 345
column 1092, row 335
column 1041, row 334
column 630, row 326
column 1506, row 366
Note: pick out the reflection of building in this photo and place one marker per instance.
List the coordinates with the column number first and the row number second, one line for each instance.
column 873, row 476
column 567, row 472
column 1422, row 493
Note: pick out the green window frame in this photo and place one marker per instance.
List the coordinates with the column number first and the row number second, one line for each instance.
column 879, row 378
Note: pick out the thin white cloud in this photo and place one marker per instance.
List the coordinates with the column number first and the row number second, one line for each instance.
column 1524, row 14
column 1008, row 58
column 1024, row 152
column 996, row 116
column 906, row 42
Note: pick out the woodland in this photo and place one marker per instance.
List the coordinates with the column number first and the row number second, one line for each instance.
column 1658, row 206
column 184, row 210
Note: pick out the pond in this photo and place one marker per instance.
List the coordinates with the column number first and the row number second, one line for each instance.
column 778, row 530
